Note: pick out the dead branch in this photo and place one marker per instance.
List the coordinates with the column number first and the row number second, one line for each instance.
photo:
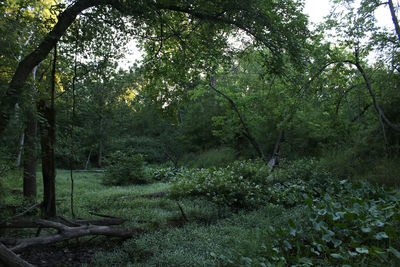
column 65, row 233
column 9, row 258
column 182, row 212
column 32, row 223
column 22, row 213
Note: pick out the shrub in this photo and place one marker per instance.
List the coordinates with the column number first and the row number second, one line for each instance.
column 352, row 223
column 124, row 169
column 237, row 185
column 166, row 174
column 249, row 183
column 218, row 157
column 302, row 169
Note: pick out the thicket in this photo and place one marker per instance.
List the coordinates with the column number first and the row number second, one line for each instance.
column 124, row 169
column 345, row 221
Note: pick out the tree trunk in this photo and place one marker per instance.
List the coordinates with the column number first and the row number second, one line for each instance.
column 372, row 94
column 88, row 160
column 30, row 159
column 100, row 154
column 247, row 132
column 47, row 139
column 14, row 92
column 100, row 91
column 9, row 258
column 274, row 161
column 30, row 155
column 47, row 135
column 394, row 18
column 20, row 148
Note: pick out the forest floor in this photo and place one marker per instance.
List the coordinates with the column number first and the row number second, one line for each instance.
column 210, row 235
column 61, row 255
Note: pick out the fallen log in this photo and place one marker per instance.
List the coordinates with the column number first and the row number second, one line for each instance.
column 67, row 232
column 9, row 258
column 32, row 223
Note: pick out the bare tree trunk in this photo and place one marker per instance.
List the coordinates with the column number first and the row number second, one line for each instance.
column 275, row 159
column 14, row 92
column 100, row 90
column 100, row 156
column 9, row 258
column 247, row 132
column 88, row 160
column 30, row 158
column 20, row 149
column 47, row 132
column 30, row 155
column 394, row 18
column 372, row 93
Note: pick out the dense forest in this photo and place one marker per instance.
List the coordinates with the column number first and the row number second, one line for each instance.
column 244, row 135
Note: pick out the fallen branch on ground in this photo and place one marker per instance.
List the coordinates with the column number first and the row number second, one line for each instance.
column 65, row 232
column 9, row 258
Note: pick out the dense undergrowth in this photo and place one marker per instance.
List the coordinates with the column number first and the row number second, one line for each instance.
column 242, row 214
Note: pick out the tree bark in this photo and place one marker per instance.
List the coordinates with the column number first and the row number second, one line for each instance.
column 100, row 152
column 47, row 133
column 30, row 155
column 9, row 258
column 275, row 159
column 372, row 93
column 247, row 133
column 20, row 148
column 66, row 232
column 394, row 18
column 30, row 159
column 25, row 67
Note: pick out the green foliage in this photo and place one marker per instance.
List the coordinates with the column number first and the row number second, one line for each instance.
column 349, row 223
column 124, row 169
column 235, row 185
column 249, row 183
column 301, row 169
column 166, row 174
column 217, row 157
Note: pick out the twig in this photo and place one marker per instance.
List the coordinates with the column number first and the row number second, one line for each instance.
column 22, row 213
column 11, row 259
column 102, row 215
column 182, row 212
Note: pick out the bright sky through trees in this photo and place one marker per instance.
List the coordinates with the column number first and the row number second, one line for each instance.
column 315, row 9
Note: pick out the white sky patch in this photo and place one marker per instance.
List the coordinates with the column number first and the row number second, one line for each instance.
column 134, row 54
column 318, row 9
column 315, row 9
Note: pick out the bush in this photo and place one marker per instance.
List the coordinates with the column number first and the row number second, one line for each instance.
column 124, row 169
column 349, row 224
column 237, row 185
column 166, row 174
column 249, row 183
column 218, row 157
column 302, row 169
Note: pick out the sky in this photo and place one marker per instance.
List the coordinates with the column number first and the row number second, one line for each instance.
column 315, row 9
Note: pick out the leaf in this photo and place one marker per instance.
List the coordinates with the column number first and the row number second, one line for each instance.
column 336, row 242
column 362, row 250
column 336, row 256
column 394, row 252
column 327, row 238
column 366, row 229
column 287, row 245
column 381, row 235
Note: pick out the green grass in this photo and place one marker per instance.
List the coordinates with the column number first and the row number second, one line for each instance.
column 217, row 236
column 211, row 229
